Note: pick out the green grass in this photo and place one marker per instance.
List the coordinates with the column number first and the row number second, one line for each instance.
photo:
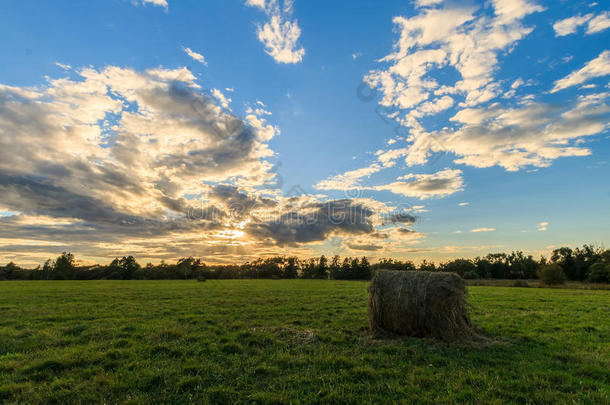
column 251, row 341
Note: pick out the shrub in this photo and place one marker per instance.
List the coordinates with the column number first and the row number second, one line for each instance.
column 521, row 283
column 552, row 274
column 471, row 275
column 599, row 273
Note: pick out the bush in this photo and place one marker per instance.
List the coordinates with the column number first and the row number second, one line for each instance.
column 471, row 275
column 551, row 274
column 599, row 273
column 521, row 283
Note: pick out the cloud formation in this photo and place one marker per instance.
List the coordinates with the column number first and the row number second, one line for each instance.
column 195, row 56
column 597, row 67
column 494, row 122
column 280, row 34
column 160, row 3
column 483, row 230
column 115, row 161
column 595, row 24
column 439, row 184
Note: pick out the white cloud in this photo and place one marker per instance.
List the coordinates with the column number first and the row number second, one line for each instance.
column 160, row 3
column 280, row 34
column 63, row 66
column 195, row 56
column 463, row 204
column 597, row 67
column 520, row 133
column 594, row 24
column 483, row 230
column 348, row 180
column 543, row 226
column 599, row 23
column 222, row 99
column 423, row 186
column 426, row 3
column 570, row 25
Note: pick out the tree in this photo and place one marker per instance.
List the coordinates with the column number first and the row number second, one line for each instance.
column 64, row 265
column 599, row 273
column 365, row 269
column 128, row 267
column 460, row 266
column 321, row 270
column 427, row 266
column 309, row 270
column 292, row 267
column 334, row 269
column 552, row 274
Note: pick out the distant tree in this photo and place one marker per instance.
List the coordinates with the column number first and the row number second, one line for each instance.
column 346, row 268
column 291, row 269
column 8, row 270
column 365, row 269
column 321, row 270
column 129, row 266
column 309, row 270
column 64, row 265
column 483, row 267
column 599, row 273
column 498, row 266
column 551, row 274
column 334, row 269
column 427, row 266
column 354, row 271
column 459, row 266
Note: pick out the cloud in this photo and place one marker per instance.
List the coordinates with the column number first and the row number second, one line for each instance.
column 483, row 230
column 569, row 26
column 463, row 204
column 439, row 184
column 348, row 180
column 481, row 132
column 315, row 222
column 599, row 23
column 594, row 24
column 195, row 56
column 543, row 226
column 120, row 151
column 597, row 67
column 451, row 36
column 366, row 247
column 160, row 3
column 279, row 34
column 116, row 161
column 222, row 99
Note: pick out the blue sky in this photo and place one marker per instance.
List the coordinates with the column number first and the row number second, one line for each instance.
column 484, row 123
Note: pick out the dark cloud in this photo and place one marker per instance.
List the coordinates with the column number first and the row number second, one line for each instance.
column 315, row 222
column 401, row 217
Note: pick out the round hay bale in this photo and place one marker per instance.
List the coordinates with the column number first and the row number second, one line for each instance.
column 420, row 304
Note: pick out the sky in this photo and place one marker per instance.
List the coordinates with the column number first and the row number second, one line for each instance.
column 233, row 129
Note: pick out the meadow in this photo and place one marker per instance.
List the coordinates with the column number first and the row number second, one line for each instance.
column 289, row 341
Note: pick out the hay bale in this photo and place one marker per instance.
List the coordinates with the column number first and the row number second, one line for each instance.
column 420, row 304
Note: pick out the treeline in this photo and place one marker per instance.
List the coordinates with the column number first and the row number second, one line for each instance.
column 588, row 263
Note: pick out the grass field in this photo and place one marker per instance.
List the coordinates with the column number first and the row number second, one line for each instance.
column 282, row 341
